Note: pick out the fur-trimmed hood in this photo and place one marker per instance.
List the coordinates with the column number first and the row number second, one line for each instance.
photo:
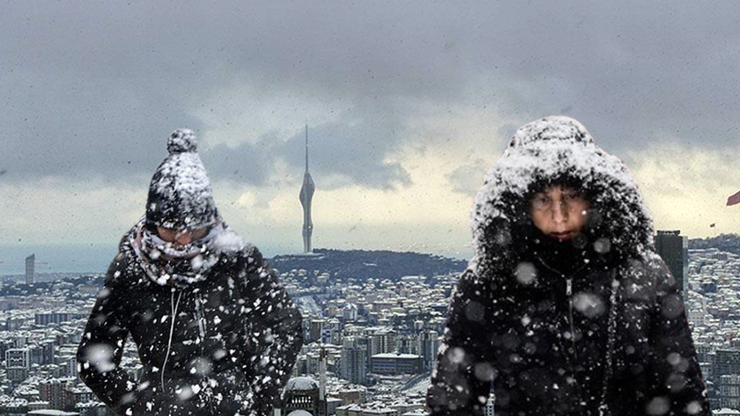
column 558, row 149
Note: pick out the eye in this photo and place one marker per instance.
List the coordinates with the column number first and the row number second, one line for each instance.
column 540, row 201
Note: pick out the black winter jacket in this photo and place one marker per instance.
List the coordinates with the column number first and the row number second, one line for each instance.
column 588, row 327
column 223, row 346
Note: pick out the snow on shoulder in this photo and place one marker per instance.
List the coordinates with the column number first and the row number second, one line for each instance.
column 230, row 242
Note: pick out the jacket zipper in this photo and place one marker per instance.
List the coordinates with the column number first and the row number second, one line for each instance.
column 200, row 317
column 571, row 322
column 569, row 295
column 571, row 357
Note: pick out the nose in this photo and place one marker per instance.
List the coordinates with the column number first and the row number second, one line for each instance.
column 559, row 212
column 183, row 239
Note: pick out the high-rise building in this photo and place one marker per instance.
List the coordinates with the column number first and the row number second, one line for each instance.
column 306, row 195
column 673, row 248
column 729, row 391
column 31, row 269
column 354, row 360
column 428, row 346
column 17, row 364
column 383, row 340
column 727, row 361
column 407, row 343
column 54, row 391
column 320, row 330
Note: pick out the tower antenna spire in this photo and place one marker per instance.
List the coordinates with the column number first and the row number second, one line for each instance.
column 306, row 146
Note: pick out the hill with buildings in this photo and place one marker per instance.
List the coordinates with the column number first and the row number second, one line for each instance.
column 723, row 242
column 365, row 264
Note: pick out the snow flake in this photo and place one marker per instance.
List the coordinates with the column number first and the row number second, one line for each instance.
column 693, row 408
column 483, row 371
column 100, row 357
column 658, row 406
column 589, row 304
column 602, row 245
column 474, row 311
column 526, row 273
column 456, row 355
column 184, row 393
column 673, row 358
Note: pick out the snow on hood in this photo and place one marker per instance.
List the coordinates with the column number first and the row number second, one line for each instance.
column 552, row 149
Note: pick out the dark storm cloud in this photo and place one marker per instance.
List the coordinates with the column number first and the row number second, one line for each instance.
column 354, row 151
column 93, row 89
column 349, row 151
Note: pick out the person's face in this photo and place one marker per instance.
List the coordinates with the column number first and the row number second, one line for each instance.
column 559, row 212
column 181, row 237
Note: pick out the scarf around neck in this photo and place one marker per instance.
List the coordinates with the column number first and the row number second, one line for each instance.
column 167, row 264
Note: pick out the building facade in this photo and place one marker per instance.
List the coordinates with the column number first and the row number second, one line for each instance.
column 354, row 360
column 673, row 248
column 31, row 269
column 395, row 364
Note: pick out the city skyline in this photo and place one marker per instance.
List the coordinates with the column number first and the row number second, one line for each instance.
column 358, row 330
column 409, row 104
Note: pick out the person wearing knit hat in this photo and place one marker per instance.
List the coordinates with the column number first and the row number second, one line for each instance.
column 565, row 308
column 216, row 332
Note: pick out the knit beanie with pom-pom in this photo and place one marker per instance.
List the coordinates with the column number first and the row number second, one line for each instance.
column 180, row 194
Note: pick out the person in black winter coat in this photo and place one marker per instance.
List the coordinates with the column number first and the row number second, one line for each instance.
column 565, row 308
column 216, row 332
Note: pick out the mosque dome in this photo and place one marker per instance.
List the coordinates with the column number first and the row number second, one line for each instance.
column 301, row 384
column 299, row 412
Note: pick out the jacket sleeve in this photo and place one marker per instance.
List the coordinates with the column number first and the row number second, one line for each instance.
column 675, row 379
column 461, row 379
column 101, row 348
column 274, row 332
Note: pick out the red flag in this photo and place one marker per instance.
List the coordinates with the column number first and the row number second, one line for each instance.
column 734, row 199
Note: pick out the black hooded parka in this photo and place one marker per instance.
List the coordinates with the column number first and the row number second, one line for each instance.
column 224, row 345
column 586, row 327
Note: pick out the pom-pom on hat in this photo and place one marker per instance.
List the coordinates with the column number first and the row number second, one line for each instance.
column 180, row 194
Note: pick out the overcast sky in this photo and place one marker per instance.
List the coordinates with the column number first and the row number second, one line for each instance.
column 408, row 104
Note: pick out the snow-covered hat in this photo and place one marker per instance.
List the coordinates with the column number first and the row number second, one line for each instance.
column 180, row 194
column 551, row 150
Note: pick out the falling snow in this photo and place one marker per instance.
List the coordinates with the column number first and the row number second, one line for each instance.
column 197, row 339
column 588, row 325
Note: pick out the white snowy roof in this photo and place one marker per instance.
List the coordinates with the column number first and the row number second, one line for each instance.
column 394, row 355
column 726, row 412
column 301, row 384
